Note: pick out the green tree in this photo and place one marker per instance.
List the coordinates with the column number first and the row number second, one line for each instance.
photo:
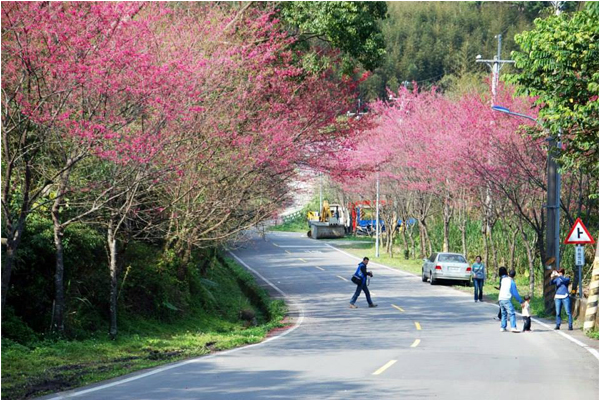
column 351, row 27
column 435, row 43
column 558, row 63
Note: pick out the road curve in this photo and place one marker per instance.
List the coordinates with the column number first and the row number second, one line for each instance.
column 421, row 342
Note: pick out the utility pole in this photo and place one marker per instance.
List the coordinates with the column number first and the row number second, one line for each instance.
column 552, row 243
column 552, row 259
column 377, row 219
column 495, row 65
column 552, row 256
column 320, row 193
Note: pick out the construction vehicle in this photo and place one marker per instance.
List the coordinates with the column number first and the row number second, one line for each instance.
column 331, row 222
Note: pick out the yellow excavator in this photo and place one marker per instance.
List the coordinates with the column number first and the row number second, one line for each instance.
column 325, row 212
column 328, row 225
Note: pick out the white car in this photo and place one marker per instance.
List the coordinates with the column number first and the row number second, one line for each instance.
column 450, row 266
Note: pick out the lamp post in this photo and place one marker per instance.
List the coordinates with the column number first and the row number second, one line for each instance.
column 553, row 204
column 377, row 219
column 320, row 193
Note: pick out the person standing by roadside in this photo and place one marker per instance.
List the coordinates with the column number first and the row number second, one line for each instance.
column 361, row 273
column 502, row 272
column 508, row 290
column 561, row 298
column 478, row 273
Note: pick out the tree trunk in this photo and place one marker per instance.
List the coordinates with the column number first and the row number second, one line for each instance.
column 446, row 245
column 426, row 234
column 463, row 236
column 447, row 215
column 513, row 245
column 486, row 252
column 15, row 233
column 58, row 322
column 422, row 239
column 530, row 258
column 412, row 242
column 112, row 248
column 404, row 238
column 7, row 269
column 494, row 249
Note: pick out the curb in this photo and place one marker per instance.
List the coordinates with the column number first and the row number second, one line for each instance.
column 139, row 375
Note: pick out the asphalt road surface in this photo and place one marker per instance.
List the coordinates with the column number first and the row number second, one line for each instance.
column 421, row 342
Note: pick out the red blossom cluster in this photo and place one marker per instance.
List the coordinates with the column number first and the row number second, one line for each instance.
column 426, row 142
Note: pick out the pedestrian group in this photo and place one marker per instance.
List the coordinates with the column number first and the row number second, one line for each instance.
column 508, row 291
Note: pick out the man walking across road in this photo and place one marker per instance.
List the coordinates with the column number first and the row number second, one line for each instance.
column 508, row 290
column 361, row 273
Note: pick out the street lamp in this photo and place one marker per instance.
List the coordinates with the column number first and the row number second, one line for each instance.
column 553, row 192
column 377, row 219
column 507, row 111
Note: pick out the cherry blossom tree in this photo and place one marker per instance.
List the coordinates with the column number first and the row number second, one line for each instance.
column 202, row 111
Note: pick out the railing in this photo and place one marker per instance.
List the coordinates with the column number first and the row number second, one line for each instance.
column 292, row 216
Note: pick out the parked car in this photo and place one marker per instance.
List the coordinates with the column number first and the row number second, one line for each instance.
column 447, row 266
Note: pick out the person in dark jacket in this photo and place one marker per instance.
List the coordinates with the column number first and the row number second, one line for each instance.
column 362, row 273
column 478, row 272
column 561, row 298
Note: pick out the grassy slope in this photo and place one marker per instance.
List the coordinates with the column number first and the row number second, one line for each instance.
column 299, row 224
column 50, row 366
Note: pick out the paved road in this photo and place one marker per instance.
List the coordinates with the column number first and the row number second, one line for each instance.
column 435, row 343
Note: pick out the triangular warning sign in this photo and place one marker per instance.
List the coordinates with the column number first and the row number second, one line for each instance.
column 579, row 234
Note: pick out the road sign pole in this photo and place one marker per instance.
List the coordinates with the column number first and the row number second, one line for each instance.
column 580, row 282
column 579, row 236
column 579, row 262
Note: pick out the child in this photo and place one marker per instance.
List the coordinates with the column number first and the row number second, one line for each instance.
column 526, row 314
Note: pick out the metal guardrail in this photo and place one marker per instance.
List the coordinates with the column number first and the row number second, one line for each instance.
column 292, row 216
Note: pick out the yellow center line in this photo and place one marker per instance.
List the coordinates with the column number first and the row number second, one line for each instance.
column 416, row 343
column 287, row 251
column 418, row 326
column 342, row 278
column 398, row 308
column 302, row 259
column 386, row 366
column 319, row 268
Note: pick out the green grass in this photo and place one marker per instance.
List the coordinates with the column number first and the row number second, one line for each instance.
column 53, row 365
column 298, row 224
column 398, row 261
column 592, row 334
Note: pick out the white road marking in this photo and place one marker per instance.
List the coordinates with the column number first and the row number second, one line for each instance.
column 593, row 351
column 290, row 246
column 416, row 343
column 202, row 358
column 319, row 268
column 342, row 278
